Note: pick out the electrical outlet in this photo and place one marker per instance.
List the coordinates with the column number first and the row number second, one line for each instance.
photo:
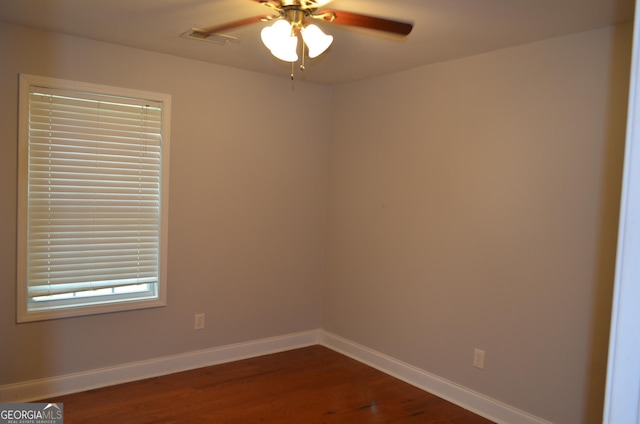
column 198, row 322
column 478, row 358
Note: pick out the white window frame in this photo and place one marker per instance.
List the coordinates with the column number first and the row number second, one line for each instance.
column 153, row 294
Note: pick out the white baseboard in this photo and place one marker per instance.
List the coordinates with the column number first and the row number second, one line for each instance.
column 72, row 383
column 468, row 399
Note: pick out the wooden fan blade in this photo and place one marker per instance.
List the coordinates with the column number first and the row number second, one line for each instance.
column 340, row 17
column 205, row 32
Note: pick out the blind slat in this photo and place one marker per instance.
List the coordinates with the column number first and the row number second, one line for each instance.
column 45, row 289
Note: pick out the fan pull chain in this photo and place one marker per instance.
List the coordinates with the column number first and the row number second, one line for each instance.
column 302, row 67
column 302, row 64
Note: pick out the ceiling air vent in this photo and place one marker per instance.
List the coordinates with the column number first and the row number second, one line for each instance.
column 219, row 39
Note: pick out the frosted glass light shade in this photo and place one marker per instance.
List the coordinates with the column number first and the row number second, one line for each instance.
column 279, row 40
column 316, row 40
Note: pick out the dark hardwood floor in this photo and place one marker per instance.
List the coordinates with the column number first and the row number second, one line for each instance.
column 308, row 385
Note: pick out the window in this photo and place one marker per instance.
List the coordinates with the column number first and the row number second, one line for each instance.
column 92, row 198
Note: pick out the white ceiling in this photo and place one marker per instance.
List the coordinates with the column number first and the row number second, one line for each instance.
column 443, row 29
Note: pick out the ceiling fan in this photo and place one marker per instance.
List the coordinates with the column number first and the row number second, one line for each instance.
column 292, row 21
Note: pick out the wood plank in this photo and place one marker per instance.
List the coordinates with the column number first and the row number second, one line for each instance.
column 308, row 385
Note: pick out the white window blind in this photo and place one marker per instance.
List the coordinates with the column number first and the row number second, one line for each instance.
column 94, row 178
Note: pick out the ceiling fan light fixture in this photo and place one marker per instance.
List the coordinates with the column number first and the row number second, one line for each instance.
column 316, row 40
column 290, row 18
column 281, row 41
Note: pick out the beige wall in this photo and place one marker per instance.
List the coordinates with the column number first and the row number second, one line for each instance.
column 474, row 203
column 471, row 203
column 247, row 208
